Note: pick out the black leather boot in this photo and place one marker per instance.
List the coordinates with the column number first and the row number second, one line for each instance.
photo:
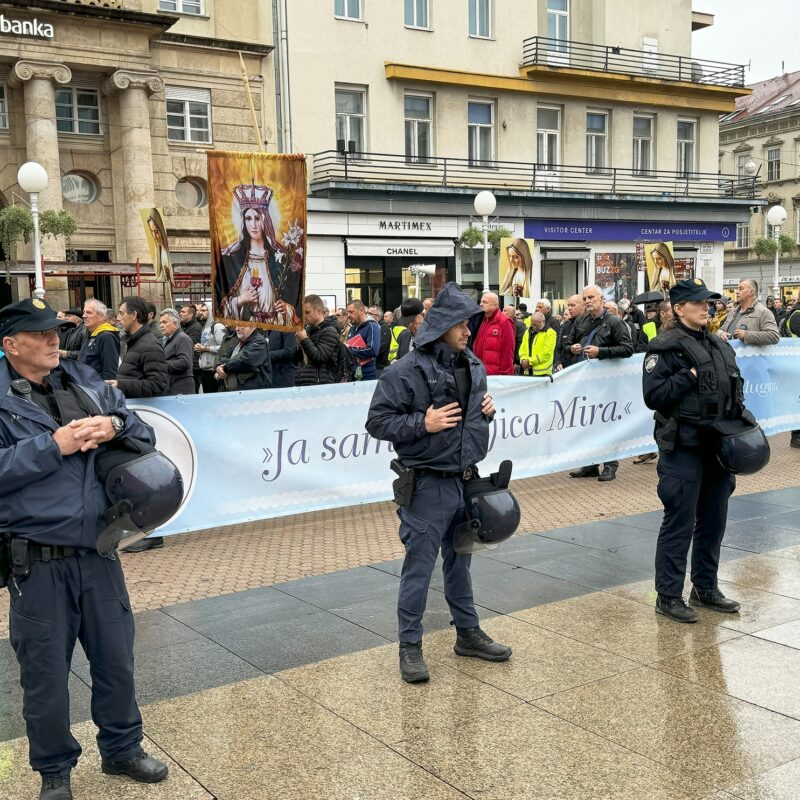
column 675, row 608
column 608, row 474
column 474, row 643
column 55, row 787
column 148, row 543
column 141, row 767
column 714, row 599
column 586, row 472
column 412, row 664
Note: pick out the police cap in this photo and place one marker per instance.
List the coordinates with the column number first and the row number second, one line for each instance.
column 31, row 315
column 691, row 290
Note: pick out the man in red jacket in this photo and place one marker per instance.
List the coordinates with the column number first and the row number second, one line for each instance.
column 494, row 341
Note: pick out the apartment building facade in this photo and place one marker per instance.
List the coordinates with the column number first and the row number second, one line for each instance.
column 590, row 122
column 763, row 134
column 118, row 100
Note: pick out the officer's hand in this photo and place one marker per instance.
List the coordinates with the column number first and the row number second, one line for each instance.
column 440, row 419
column 487, row 406
column 95, row 431
column 71, row 439
column 693, row 371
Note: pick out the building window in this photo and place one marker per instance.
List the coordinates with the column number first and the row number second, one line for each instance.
column 181, row 6
column 79, row 188
column 351, row 121
column 78, row 110
column 558, row 22
column 347, row 9
column 642, row 145
column 769, row 230
column 480, row 122
column 3, row 108
column 191, row 193
column 416, row 14
column 480, row 16
column 596, row 141
column 687, row 147
column 188, row 115
column 743, row 234
column 773, row 163
column 741, row 165
column 418, row 127
column 548, row 135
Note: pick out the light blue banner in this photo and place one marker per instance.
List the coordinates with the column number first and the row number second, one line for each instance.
column 255, row 455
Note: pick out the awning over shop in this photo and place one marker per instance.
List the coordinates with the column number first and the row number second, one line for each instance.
column 403, row 248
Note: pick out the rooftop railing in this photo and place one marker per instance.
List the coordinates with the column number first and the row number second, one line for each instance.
column 544, row 51
column 381, row 169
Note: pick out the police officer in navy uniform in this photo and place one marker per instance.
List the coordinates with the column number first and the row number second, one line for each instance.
column 433, row 406
column 54, row 415
column 692, row 382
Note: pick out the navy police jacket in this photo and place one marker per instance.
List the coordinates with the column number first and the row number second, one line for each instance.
column 44, row 497
column 425, row 377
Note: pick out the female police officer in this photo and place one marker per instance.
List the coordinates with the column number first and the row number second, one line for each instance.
column 692, row 382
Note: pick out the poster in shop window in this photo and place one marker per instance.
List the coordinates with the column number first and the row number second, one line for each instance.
column 684, row 268
column 257, row 218
column 616, row 275
column 660, row 261
column 516, row 267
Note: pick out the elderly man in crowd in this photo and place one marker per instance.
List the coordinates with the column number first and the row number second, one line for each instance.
column 100, row 351
column 537, row 348
column 564, row 357
column 179, row 350
column 749, row 321
column 494, row 342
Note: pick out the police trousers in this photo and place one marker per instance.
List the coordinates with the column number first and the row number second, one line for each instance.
column 694, row 490
column 426, row 527
column 84, row 598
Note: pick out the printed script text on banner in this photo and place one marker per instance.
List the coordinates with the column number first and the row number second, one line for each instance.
column 256, row 455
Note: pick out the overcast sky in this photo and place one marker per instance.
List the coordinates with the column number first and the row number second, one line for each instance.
column 743, row 32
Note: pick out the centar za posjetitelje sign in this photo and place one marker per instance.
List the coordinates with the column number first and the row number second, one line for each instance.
column 26, row 27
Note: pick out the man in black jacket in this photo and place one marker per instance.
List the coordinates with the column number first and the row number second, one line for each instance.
column 143, row 371
column 282, row 346
column 598, row 334
column 100, row 351
column 318, row 354
column 563, row 355
column 192, row 327
column 249, row 365
column 76, row 336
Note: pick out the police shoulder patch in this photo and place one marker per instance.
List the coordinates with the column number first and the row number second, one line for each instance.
column 38, row 304
column 650, row 362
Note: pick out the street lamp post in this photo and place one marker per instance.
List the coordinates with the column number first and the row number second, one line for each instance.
column 776, row 216
column 485, row 204
column 32, row 178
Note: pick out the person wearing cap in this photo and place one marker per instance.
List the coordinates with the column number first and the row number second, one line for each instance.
column 76, row 336
column 432, row 405
column 412, row 313
column 692, row 383
column 55, row 415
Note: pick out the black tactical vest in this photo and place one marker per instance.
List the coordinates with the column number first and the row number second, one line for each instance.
column 720, row 392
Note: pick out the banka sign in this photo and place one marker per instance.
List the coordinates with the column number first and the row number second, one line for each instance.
column 26, row 27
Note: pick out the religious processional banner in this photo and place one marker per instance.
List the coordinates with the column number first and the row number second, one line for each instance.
column 256, row 455
column 257, row 218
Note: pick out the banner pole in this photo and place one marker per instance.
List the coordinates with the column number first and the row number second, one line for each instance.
column 246, row 82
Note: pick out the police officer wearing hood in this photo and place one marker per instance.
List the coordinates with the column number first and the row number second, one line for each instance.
column 692, row 382
column 433, row 406
column 55, row 417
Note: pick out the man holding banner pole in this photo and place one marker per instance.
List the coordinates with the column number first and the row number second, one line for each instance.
column 433, row 406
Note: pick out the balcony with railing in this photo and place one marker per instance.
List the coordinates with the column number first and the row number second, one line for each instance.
column 542, row 51
column 335, row 170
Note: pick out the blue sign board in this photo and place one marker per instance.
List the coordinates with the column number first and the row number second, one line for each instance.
column 575, row 230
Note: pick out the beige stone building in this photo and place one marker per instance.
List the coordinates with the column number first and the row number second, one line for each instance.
column 590, row 121
column 118, row 99
column 763, row 133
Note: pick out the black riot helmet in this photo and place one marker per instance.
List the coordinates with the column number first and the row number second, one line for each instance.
column 145, row 489
column 493, row 514
column 745, row 452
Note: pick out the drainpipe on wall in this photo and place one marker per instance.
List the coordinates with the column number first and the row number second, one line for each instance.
column 286, row 93
column 276, row 55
